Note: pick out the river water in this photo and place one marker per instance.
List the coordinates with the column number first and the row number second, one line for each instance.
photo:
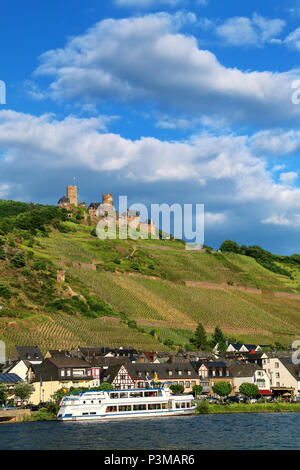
column 230, row 431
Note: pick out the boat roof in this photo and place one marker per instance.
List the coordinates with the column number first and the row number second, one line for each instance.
column 126, row 390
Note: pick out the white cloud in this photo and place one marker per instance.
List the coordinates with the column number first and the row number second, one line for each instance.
column 253, row 31
column 276, row 142
column 215, row 218
column 288, row 178
column 141, row 4
column 4, row 190
column 207, row 165
column 293, row 39
column 147, row 59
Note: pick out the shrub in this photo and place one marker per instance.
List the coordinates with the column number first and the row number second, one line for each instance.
column 203, row 407
column 177, row 389
column 18, row 261
column 2, row 254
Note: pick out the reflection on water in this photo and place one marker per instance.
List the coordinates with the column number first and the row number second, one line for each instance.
column 231, row 431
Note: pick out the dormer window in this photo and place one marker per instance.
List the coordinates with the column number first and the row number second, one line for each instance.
column 189, row 372
column 170, row 372
column 62, row 373
column 180, row 372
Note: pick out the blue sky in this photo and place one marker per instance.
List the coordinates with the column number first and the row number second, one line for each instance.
column 166, row 101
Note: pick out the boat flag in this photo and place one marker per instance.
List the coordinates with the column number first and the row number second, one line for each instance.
column 155, row 377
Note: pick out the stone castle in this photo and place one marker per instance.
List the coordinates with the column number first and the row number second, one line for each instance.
column 98, row 211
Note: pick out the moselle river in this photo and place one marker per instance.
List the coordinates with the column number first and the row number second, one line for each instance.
column 230, row 431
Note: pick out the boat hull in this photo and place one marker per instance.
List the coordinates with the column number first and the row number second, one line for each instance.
column 133, row 415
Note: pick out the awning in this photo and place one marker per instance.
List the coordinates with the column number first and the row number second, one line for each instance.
column 265, row 392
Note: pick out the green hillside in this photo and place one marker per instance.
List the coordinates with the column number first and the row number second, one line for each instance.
column 147, row 294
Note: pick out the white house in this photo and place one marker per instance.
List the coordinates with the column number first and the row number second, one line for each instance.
column 250, row 373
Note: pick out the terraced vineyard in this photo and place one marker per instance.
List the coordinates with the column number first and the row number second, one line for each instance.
column 157, row 284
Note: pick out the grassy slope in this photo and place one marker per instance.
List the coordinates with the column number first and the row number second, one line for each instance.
column 145, row 281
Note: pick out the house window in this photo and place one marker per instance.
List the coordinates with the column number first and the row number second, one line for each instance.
column 187, row 384
column 170, row 372
column 214, row 373
column 276, row 365
column 189, row 372
column 220, row 372
column 180, row 372
column 277, row 375
column 62, row 373
column 68, row 372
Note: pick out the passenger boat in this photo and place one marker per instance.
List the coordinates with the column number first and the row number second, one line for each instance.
column 116, row 404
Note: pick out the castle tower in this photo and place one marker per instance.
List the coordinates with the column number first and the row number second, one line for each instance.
column 108, row 199
column 72, row 195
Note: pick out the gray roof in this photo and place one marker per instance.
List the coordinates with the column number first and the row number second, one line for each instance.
column 244, row 370
column 29, row 353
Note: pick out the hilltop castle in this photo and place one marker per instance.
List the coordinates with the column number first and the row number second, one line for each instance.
column 98, row 211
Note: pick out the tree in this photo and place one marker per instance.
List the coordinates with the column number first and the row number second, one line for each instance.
column 249, row 389
column 23, row 390
column 3, row 393
column 57, row 396
column 200, row 339
column 106, row 386
column 197, row 390
column 177, row 389
column 223, row 389
column 230, row 247
column 218, row 338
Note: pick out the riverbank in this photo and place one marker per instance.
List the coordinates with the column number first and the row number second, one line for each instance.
column 14, row 416
column 207, row 408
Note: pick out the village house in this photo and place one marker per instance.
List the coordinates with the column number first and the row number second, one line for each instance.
column 61, row 372
column 22, row 360
column 238, row 347
column 10, row 380
column 284, row 375
column 250, row 373
column 211, row 372
column 140, row 375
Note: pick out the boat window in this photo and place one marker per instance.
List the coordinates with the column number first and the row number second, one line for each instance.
column 154, row 406
column 183, row 404
column 84, row 414
column 111, row 409
column 123, row 408
column 124, row 395
column 151, row 394
column 164, row 406
column 135, row 394
column 92, row 412
column 177, row 404
column 84, row 402
column 139, row 407
column 114, row 395
column 99, row 401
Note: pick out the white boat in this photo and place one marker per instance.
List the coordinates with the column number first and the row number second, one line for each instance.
column 120, row 404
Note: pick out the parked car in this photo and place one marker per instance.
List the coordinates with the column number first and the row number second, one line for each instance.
column 233, row 400
column 33, row 407
column 213, row 400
